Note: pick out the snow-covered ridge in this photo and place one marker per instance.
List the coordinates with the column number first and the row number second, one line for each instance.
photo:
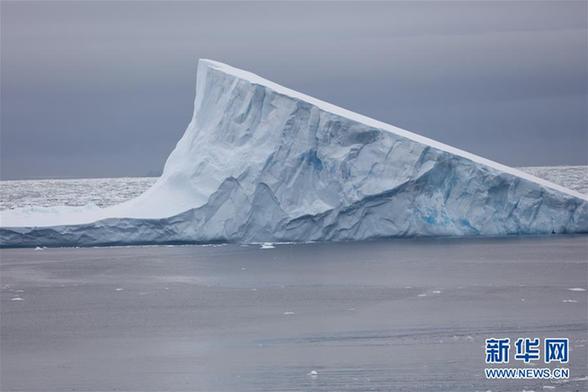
column 328, row 107
column 263, row 163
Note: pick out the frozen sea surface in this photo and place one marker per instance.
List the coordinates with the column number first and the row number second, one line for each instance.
column 71, row 192
column 399, row 315
column 109, row 191
column 572, row 177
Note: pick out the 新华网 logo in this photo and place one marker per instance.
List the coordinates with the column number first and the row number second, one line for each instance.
column 527, row 350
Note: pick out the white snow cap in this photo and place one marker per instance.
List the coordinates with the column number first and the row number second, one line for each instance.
column 328, row 107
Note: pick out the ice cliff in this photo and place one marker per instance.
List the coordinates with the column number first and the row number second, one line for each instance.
column 260, row 162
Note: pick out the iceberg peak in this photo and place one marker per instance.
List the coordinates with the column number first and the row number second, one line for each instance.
column 260, row 162
column 205, row 64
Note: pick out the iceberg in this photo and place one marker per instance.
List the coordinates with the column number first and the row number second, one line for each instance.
column 262, row 163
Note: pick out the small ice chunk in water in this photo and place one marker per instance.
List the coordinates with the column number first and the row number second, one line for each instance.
column 267, row 245
column 118, row 289
column 289, row 313
column 17, row 299
column 38, row 248
column 569, row 301
column 313, row 373
column 436, row 291
column 576, row 289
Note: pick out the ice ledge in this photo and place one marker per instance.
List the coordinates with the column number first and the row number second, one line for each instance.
column 206, row 64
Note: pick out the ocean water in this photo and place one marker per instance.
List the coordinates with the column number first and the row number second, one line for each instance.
column 109, row 191
column 71, row 192
column 398, row 315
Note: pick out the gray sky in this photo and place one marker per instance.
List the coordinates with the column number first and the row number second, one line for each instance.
column 105, row 89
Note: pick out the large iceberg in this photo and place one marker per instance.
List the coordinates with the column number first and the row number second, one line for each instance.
column 262, row 163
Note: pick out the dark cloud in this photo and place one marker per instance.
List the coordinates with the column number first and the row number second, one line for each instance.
column 106, row 88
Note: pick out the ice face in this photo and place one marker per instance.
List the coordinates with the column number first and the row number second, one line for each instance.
column 262, row 163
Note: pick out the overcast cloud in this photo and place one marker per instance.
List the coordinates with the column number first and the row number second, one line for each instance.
column 93, row 89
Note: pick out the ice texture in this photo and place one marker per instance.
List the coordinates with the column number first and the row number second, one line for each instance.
column 263, row 163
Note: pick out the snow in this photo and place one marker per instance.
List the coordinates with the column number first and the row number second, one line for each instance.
column 255, row 79
column 260, row 163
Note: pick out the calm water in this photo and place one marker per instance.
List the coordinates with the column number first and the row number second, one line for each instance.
column 108, row 191
column 402, row 315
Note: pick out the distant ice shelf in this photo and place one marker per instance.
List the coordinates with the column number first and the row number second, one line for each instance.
column 262, row 163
